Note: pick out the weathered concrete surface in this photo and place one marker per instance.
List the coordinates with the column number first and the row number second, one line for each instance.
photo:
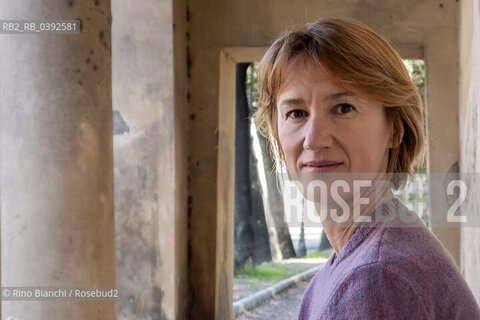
column 215, row 24
column 56, row 159
column 470, row 135
column 149, row 95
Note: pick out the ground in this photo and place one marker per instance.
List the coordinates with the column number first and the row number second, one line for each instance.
column 244, row 285
column 285, row 305
column 282, row 307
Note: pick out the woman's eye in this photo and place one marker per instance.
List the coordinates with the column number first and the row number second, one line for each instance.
column 344, row 108
column 295, row 114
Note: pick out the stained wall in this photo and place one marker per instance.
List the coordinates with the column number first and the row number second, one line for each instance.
column 150, row 152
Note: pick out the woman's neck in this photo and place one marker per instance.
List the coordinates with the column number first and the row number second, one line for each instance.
column 339, row 233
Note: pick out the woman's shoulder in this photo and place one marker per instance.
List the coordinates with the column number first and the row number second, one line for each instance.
column 379, row 289
column 399, row 266
column 373, row 291
column 408, row 250
column 406, row 243
column 399, row 236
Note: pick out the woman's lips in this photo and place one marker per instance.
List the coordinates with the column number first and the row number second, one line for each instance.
column 320, row 166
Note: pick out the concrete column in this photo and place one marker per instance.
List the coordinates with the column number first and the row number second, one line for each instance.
column 57, row 223
column 443, row 130
column 469, row 138
column 150, row 115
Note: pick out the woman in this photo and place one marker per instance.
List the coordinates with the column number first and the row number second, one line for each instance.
column 338, row 107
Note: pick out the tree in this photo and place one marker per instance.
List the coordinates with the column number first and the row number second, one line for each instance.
column 276, row 211
column 280, row 241
column 251, row 235
column 324, row 242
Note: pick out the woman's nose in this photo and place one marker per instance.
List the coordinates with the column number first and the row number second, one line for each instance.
column 318, row 134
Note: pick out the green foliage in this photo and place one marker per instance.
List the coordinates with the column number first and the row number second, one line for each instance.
column 325, row 254
column 252, row 87
column 416, row 69
column 420, row 194
column 269, row 272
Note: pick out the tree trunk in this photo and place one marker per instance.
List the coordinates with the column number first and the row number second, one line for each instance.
column 324, row 243
column 243, row 234
column 262, row 252
column 276, row 212
column 251, row 234
column 302, row 248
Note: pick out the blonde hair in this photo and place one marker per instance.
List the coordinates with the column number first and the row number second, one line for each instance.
column 358, row 58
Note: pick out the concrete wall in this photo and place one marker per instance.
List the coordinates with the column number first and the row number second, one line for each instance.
column 470, row 135
column 214, row 25
column 149, row 102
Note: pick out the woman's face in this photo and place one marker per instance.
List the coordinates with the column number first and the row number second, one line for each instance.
column 322, row 127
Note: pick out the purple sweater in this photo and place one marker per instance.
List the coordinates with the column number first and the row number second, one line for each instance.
column 390, row 270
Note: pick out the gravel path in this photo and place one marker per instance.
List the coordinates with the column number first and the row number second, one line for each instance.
column 283, row 307
column 244, row 286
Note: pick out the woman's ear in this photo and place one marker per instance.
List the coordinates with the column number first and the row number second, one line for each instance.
column 396, row 134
